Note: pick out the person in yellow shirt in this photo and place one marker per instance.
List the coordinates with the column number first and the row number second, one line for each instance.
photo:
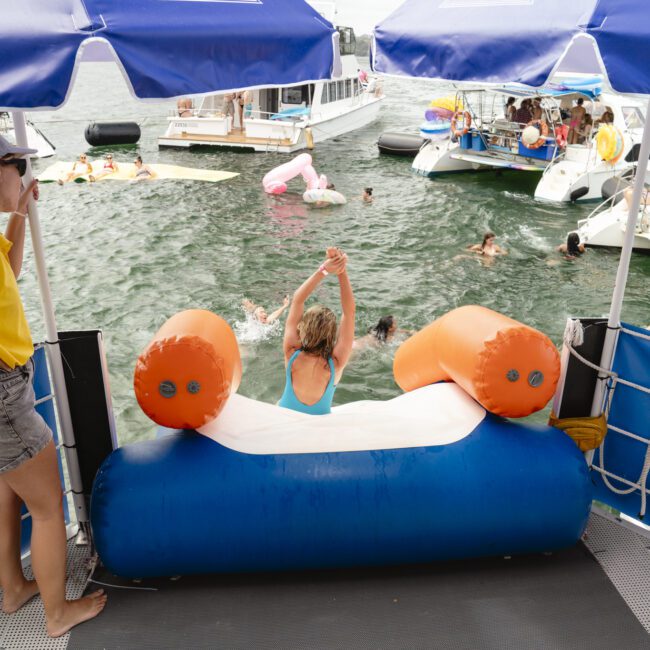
column 28, row 464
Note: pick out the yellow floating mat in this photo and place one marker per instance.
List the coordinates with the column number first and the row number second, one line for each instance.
column 127, row 173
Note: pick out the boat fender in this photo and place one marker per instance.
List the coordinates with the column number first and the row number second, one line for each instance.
column 509, row 368
column 100, row 134
column 534, row 129
column 185, row 376
column 579, row 193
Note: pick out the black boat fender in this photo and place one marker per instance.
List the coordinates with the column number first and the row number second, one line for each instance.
column 100, row 134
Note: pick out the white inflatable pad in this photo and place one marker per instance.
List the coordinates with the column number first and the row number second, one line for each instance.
column 434, row 415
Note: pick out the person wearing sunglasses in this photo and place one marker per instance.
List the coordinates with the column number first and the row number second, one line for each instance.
column 110, row 167
column 80, row 168
column 29, row 471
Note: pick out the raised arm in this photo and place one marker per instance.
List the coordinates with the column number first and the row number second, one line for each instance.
column 278, row 312
column 291, row 340
column 343, row 347
column 15, row 231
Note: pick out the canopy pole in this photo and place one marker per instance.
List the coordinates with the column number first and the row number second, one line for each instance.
column 52, row 337
column 614, row 320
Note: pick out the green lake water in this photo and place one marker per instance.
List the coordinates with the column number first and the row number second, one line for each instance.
column 124, row 257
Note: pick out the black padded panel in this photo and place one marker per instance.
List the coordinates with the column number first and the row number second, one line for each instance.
column 562, row 601
column 84, row 381
column 580, row 381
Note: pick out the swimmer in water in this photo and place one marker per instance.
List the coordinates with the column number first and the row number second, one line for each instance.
column 383, row 332
column 487, row 247
column 573, row 248
column 259, row 313
column 142, row 172
column 366, row 197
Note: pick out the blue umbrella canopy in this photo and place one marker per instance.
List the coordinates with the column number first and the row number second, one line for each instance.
column 501, row 41
column 166, row 48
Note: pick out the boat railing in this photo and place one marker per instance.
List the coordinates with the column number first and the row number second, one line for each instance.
column 207, row 113
column 609, row 203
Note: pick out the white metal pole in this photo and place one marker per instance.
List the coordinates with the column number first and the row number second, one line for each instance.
column 614, row 320
column 52, row 337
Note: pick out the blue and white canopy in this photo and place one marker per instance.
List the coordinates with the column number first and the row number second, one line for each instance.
column 525, row 41
column 166, row 48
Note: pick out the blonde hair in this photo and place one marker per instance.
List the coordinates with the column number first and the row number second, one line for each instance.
column 317, row 331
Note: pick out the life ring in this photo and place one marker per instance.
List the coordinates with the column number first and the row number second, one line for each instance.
column 610, row 143
column 543, row 129
column 467, row 122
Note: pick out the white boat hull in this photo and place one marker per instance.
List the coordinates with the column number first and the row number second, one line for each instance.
column 35, row 139
column 436, row 158
column 607, row 229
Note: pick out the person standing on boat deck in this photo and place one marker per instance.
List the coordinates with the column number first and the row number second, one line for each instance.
column 523, row 114
column 577, row 116
column 315, row 354
column 185, row 107
column 510, row 109
column 29, row 470
column 229, row 108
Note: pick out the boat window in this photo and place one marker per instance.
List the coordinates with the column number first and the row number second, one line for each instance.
column 348, row 87
column 340, row 90
column 633, row 117
column 324, row 99
column 293, row 95
column 333, row 91
column 347, row 41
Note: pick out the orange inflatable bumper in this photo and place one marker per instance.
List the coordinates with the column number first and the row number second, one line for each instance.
column 187, row 373
column 509, row 368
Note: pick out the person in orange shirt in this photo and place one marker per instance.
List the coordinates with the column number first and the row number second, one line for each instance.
column 28, row 463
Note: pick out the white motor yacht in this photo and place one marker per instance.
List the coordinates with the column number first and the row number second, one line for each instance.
column 607, row 224
column 36, row 139
column 579, row 174
column 284, row 119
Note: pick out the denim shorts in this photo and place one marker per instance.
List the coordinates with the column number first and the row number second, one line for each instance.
column 23, row 432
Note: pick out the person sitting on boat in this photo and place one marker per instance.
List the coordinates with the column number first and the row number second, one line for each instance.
column 366, row 197
column 584, row 135
column 185, row 107
column 142, row 172
column 383, row 332
column 510, row 109
column 110, row 167
column 578, row 113
column 488, row 247
column 572, row 248
column 315, row 353
column 606, row 118
column 80, row 168
column 536, row 108
column 259, row 314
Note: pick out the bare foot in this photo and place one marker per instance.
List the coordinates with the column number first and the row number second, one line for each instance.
column 13, row 602
column 60, row 181
column 77, row 611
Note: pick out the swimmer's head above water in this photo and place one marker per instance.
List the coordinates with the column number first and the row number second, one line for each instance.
column 317, row 331
column 261, row 315
column 384, row 328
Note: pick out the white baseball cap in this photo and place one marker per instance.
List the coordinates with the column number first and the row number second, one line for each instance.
column 6, row 148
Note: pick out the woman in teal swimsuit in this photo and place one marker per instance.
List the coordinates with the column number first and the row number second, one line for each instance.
column 315, row 354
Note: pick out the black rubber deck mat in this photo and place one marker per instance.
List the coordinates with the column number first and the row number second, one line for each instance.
column 560, row 601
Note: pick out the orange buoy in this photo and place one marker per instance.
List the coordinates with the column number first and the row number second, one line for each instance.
column 509, row 368
column 186, row 374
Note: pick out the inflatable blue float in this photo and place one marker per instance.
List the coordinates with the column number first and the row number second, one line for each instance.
column 429, row 475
